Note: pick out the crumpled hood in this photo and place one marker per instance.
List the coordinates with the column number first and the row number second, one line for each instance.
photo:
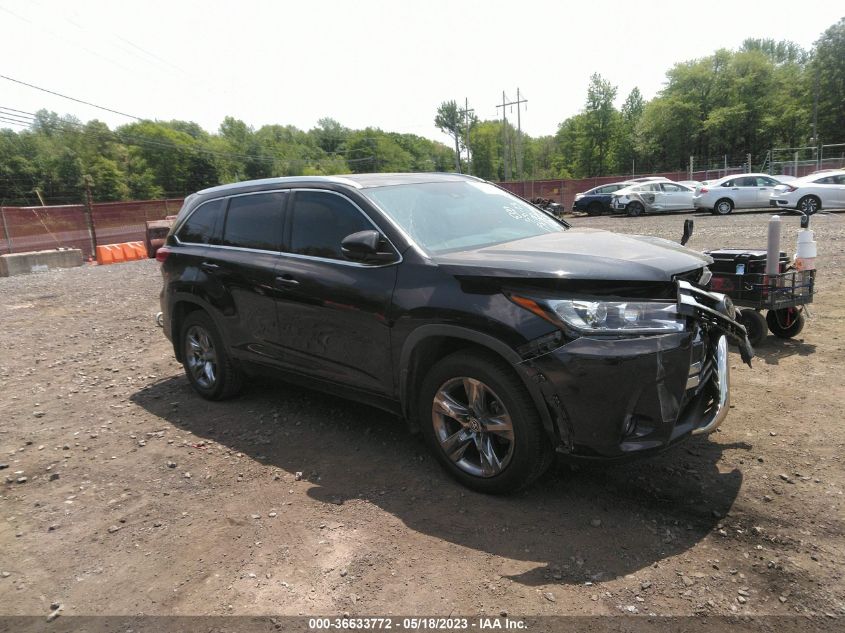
column 578, row 254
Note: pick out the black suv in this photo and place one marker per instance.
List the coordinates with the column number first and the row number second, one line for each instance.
column 503, row 333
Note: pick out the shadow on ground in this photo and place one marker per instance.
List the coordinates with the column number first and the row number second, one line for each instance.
column 773, row 349
column 648, row 510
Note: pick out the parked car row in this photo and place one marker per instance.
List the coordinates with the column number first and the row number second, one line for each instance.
column 820, row 190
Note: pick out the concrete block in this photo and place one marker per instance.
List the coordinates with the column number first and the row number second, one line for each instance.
column 39, row 261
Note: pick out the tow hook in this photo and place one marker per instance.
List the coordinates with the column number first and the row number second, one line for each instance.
column 160, row 319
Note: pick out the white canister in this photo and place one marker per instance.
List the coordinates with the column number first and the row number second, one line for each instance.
column 805, row 251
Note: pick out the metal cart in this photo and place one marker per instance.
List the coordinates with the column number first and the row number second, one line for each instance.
column 783, row 296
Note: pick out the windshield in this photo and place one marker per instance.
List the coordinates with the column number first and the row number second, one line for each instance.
column 452, row 216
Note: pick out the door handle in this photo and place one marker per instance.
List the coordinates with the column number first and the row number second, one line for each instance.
column 735, row 189
column 209, row 266
column 286, row 281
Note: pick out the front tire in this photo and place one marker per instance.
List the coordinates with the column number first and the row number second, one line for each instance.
column 723, row 206
column 481, row 423
column 207, row 364
column 786, row 322
column 809, row 204
column 755, row 326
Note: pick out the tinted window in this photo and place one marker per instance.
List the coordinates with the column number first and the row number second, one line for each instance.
column 255, row 221
column 765, row 182
column 748, row 181
column 203, row 224
column 321, row 221
column 827, row 180
column 673, row 188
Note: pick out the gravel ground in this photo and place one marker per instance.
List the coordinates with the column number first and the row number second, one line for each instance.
column 124, row 493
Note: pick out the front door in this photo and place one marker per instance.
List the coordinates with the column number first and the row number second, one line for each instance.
column 333, row 312
column 241, row 269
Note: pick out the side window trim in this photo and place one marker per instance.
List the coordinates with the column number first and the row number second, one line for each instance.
column 218, row 230
column 288, row 228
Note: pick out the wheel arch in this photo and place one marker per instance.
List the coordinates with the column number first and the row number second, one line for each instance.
column 429, row 343
column 180, row 310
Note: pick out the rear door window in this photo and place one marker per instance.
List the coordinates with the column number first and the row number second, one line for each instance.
column 320, row 221
column 255, row 221
column 204, row 224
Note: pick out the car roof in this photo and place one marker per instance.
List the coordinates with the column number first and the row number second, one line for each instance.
column 358, row 181
column 608, row 184
column 732, row 176
column 821, row 174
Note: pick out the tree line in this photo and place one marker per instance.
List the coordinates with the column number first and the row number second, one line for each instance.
column 765, row 94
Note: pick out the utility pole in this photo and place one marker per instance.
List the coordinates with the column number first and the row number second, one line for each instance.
column 466, row 112
column 505, row 136
column 691, row 162
column 748, row 159
column 505, row 104
column 89, row 219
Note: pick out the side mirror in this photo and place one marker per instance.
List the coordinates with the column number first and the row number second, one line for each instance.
column 366, row 246
column 688, row 227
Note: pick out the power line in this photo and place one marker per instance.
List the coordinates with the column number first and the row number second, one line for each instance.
column 58, row 94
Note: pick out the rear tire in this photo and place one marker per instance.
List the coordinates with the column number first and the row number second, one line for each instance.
column 207, row 363
column 635, row 209
column 595, row 208
column 786, row 322
column 755, row 326
column 723, row 206
column 462, row 398
column 809, row 204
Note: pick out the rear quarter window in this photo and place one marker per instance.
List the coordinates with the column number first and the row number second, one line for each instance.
column 204, row 223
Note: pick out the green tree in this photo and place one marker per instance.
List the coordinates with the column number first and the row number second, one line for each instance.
column 450, row 122
column 600, row 120
column 828, row 80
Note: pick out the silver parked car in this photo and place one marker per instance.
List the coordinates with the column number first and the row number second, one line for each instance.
column 653, row 197
column 737, row 191
column 819, row 190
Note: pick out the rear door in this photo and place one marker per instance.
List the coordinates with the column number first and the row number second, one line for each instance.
column 240, row 269
column 677, row 196
column 765, row 187
column 333, row 313
column 744, row 192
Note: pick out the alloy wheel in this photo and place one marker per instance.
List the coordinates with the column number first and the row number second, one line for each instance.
column 473, row 427
column 809, row 205
column 201, row 356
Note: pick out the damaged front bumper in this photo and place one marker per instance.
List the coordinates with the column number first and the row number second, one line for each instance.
column 619, row 397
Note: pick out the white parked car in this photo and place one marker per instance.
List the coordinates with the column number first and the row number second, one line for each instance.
column 822, row 190
column 653, row 197
column 737, row 191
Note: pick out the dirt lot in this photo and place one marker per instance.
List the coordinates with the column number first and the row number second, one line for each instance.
column 137, row 497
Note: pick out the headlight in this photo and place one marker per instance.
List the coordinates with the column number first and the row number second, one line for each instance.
column 578, row 196
column 622, row 198
column 607, row 317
